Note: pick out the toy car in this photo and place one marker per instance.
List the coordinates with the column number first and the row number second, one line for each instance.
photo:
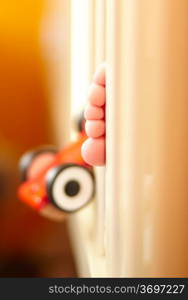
column 56, row 183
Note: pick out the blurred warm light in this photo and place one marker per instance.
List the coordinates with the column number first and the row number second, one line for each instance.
column 30, row 67
column 79, row 67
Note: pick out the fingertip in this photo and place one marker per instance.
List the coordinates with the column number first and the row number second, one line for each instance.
column 95, row 128
column 93, row 151
column 93, row 112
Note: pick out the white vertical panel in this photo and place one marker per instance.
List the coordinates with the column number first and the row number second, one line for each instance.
column 99, row 56
column 114, row 155
column 147, row 162
column 100, row 13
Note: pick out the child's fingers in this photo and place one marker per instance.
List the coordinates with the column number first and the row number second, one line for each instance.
column 93, row 113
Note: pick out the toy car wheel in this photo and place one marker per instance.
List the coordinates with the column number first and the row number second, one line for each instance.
column 70, row 187
column 28, row 160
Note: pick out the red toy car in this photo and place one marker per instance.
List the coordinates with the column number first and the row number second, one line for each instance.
column 56, row 183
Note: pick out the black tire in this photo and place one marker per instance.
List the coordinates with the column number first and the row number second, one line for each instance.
column 27, row 159
column 70, row 187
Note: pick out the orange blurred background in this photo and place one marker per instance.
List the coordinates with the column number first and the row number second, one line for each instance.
column 29, row 244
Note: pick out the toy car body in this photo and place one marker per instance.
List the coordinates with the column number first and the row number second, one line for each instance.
column 57, row 183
